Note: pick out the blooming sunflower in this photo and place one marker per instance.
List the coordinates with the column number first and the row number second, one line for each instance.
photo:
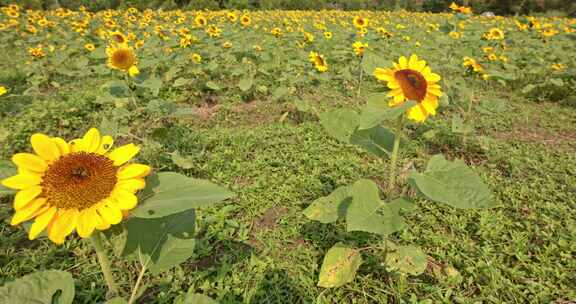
column 3, row 90
column 81, row 185
column 494, row 34
column 118, row 38
column 121, row 58
column 245, row 20
column 360, row 22
column 412, row 79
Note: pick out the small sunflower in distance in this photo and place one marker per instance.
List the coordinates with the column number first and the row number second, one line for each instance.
column 79, row 185
column 359, row 48
column 318, row 61
column 412, row 79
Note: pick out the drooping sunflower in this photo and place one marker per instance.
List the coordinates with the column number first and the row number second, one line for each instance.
column 79, row 185
column 412, row 79
column 121, row 57
column 318, row 61
column 359, row 48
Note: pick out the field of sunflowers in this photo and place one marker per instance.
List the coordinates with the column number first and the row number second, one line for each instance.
column 286, row 157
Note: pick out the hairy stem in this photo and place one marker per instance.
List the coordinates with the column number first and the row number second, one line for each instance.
column 104, row 263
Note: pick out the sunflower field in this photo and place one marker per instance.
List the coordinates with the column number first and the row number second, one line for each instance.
column 286, row 156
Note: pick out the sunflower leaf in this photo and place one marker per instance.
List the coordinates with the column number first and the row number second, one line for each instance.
column 369, row 213
column 160, row 243
column 377, row 110
column 452, row 183
column 169, row 193
column 340, row 123
column 339, row 266
column 327, row 209
column 407, row 259
column 197, row 298
column 51, row 286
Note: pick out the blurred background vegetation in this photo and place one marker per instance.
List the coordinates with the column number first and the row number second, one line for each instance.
column 500, row 7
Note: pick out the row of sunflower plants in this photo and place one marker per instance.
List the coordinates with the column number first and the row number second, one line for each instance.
column 364, row 205
column 88, row 187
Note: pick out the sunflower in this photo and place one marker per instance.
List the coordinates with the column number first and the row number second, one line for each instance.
column 81, row 185
column 494, row 34
column 328, row 35
column 231, row 17
column 196, row 58
column 412, row 79
column 121, row 57
column 359, row 48
column 118, row 38
column 90, row 47
column 200, row 21
column 319, row 62
column 360, row 22
column 245, row 20
column 3, row 90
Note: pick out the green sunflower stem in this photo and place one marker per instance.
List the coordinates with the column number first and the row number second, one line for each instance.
column 394, row 156
column 104, row 263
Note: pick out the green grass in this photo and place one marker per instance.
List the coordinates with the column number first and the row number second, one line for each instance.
column 259, row 248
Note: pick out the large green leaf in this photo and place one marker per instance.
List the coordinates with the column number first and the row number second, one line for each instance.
column 377, row 110
column 161, row 243
column 340, row 123
column 198, row 298
column 407, row 259
column 51, row 286
column 339, row 266
column 6, row 170
column 452, row 183
column 371, row 61
column 378, row 140
column 168, row 193
column 326, row 209
column 368, row 213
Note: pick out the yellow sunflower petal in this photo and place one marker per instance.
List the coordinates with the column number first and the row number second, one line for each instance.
column 25, row 196
column 413, row 62
column 63, row 225
column 394, row 92
column 131, row 185
column 393, row 84
column 45, row 147
column 110, row 213
column 430, row 105
column 76, row 145
column 41, row 222
column 133, row 171
column 417, row 113
column 420, row 65
column 91, row 140
column 432, row 77
column 125, row 199
column 403, row 62
column 27, row 213
column 31, row 162
column 123, row 154
column 22, row 181
column 106, row 144
column 62, row 145
column 382, row 74
column 87, row 221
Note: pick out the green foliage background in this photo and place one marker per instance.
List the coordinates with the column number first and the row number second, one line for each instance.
column 503, row 7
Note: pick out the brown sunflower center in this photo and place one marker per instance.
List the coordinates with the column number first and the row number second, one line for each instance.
column 123, row 59
column 79, row 180
column 413, row 84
